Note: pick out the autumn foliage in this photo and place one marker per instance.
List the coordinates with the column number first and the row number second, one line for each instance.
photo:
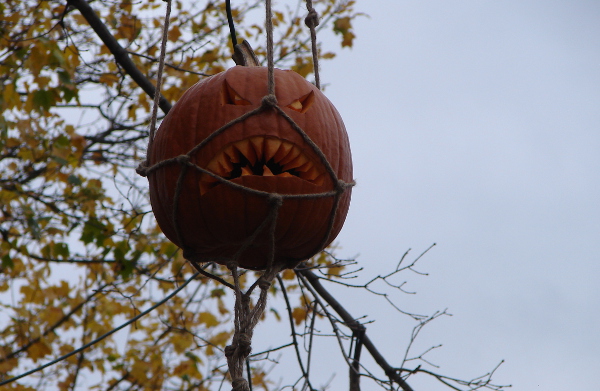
column 80, row 251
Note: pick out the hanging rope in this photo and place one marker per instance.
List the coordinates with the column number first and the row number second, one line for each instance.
column 161, row 66
column 312, row 21
column 270, row 61
column 247, row 316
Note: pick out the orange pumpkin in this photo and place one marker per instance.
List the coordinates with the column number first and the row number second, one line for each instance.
column 215, row 218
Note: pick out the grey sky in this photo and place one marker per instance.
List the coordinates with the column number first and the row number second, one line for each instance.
column 476, row 125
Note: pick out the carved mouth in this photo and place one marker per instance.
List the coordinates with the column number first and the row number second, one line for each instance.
column 261, row 156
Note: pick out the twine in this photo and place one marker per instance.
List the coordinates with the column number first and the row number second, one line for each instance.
column 245, row 317
column 161, row 66
column 312, row 21
column 270, row 60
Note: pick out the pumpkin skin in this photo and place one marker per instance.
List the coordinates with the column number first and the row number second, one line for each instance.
column 263, row 152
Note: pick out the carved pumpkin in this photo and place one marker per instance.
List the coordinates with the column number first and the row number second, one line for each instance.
column 214, row 221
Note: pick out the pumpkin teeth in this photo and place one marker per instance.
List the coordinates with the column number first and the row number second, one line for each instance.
column 261, row 156
column 284, row 149
column 257, row 144
column 319, row 179
column 291, row 156
column 232, row 153
column 225, row 166
column 267, row 171
column 246, row 171
column 271, row 146
column 297, row 162
column 304, row 167
column 247, row 150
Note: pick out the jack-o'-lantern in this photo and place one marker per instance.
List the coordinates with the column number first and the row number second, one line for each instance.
column 297, row 151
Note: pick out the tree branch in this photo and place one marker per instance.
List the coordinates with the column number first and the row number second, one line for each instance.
column 390, row 371
column 118, row 51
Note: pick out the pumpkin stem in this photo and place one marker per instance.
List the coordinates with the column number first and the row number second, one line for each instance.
column 244, row 55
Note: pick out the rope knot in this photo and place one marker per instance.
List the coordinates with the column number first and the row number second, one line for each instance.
column 244, row 340
column 263, row 284
column 275, row 199
column 241, row 346
column 182, row 159
column 269, row 101
column 231, row 265
column 229, row 350
column 239, row 384
column 312, row 19
column 142, row 169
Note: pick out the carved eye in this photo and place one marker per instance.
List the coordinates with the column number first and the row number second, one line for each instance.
column 303, row 103
column 229, row 96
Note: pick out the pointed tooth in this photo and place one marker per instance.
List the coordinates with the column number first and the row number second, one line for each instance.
column 285, row 174
column 246, row 149
column 203, row 187
column 213, row 166
column 257, row 144
column 225, row 167
column 292, row 155
column 282, row 152
column 232, row 153
column 206, row 183
column 305, row 167
column 271, row 146
column 267, row 171
column 246, row 171
column 298, row 161
column 319, row 179
column 220, row 166
column 311, row 174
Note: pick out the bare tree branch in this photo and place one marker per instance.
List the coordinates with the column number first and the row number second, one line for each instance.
column 118, row 51
column 351, row 322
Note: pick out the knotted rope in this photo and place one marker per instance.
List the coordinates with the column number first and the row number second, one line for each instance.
column 312, row 21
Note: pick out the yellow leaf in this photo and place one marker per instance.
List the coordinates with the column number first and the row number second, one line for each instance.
column 342, row 24
column 222, row 307
column 138, row 371
column 220, row 339
column 174, row 34
column 8, row 365
column 38, row 350
column 348, row 38
column 10, row 96
column 108, row 79
column 299, row 314
column 51, row 316
column 208, row 319
column 188, row 368
column 181, row 341
column 210, row 56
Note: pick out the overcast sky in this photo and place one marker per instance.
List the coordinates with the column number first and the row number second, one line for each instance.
column 475, row 124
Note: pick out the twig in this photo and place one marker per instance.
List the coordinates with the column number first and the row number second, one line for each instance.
column 118, row 51
column 130, row 321
column 294, row 339
column 390, row 371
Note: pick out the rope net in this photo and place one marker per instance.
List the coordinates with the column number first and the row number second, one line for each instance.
column 246, row 315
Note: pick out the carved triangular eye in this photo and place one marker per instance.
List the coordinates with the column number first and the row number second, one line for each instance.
column 303, row 103
column 231, row 97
